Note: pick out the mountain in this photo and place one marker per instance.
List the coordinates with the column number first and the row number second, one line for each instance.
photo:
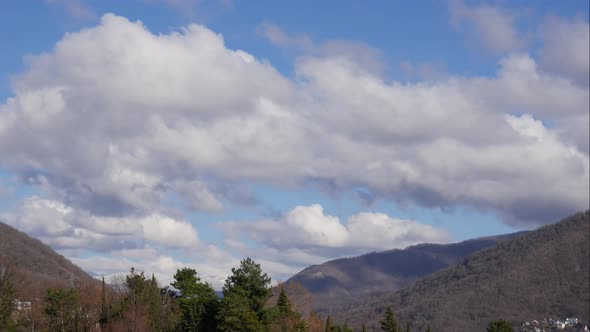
column 35, row 264
column 350, row 280
column 541, row 274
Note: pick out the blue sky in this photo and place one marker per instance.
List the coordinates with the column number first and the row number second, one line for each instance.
column 164, row 133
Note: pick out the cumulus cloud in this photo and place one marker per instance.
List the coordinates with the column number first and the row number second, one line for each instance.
column 64, row 227
column 308, row 227
column 492, row 27
column 78, row 9
column 361, row 53
column 565, row 51
column 306, row 235
column 116, row 119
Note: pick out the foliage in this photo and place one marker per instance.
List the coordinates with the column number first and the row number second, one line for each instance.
column 499, row 325
column 198, row 302
column 6, row 294
column 236, row 314
column 389, row 322
column 283, row 318
column 245, row 293
column 62, row 308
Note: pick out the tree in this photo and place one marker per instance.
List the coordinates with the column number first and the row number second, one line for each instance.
column 428, row 329
column 363, row 328
column 408, row 327
column 283, row 317
column 104, row 309
column 245, row 294
column 61, row 307
column 499, row 325
column 329, row 324
column 389, row 322
column 6, row 294
column 198, row 301
column 248, row 280
column 236, row 314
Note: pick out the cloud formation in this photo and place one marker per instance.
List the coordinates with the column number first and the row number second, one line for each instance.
column 116, row 122
column 309, row 228
column 120, row 118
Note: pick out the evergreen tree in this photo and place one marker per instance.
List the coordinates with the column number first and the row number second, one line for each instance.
column 104, row 309
column 389, row 322
column 236, row 314
column 198, row 301
column 329, row 325
column 499, row 326
column 363, row 329
column 245, row 294
column 283, row 317
column 62, row 309
column 6, row 295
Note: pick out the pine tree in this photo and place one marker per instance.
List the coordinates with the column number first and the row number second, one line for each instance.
column 499, row 326
column 245, row 294
column 389, row 322
column 198, row 301
column 6, row 295
column 104, row 309
column 329, row 324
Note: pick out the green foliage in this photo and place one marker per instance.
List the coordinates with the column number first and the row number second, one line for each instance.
column 250, row 282
column 6, row 295
column 62, row 309
column 499, row 325
column 329, row 325
column 245, row 294
column 104, row 308
column 236, row 314
column 144, row 306
column 346, row 328
column 389, row 322
column 283, row 318
column 198, row 302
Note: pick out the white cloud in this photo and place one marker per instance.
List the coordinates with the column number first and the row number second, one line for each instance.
column 78, row 9
column 115, row 120
column 359, row 52
column 306, row 236
column 492, row 27
column 309, row 228
column 565, row 50
column 64, row 227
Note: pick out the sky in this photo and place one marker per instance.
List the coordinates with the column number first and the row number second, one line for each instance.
column 161, row 134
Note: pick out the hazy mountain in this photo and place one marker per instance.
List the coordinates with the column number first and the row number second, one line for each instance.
column 544, row 273
column 36, row 265
column 349, row 280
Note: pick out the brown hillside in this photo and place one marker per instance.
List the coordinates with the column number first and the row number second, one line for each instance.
column 348, row 281
column 544, row 273
column 36, row 265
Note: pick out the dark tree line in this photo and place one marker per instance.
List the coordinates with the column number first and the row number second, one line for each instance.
column 136, row 303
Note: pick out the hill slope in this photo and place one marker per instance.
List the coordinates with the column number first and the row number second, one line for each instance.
column 36, row 265
column 347, row 280
column 544, row 273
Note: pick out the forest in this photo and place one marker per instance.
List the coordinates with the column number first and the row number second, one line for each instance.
column 138, row 303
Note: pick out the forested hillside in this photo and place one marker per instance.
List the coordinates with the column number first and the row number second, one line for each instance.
column 350, row 280
column 544, row 273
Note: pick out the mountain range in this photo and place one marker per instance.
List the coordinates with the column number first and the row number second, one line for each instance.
column 346, row 280
column 540, row 274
